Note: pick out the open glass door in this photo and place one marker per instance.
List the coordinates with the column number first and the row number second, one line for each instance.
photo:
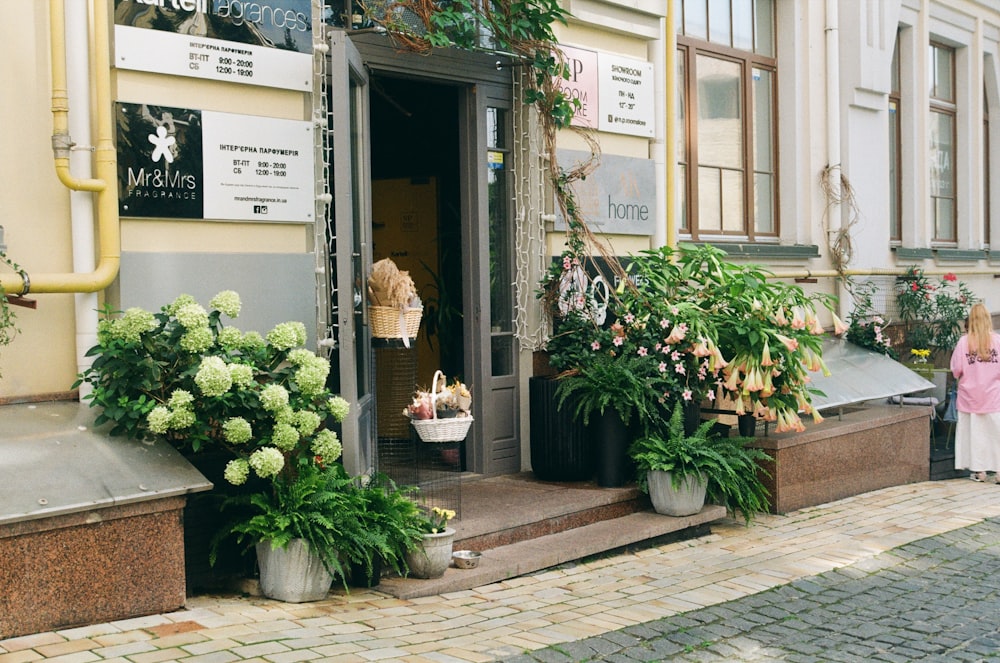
column 351, row 254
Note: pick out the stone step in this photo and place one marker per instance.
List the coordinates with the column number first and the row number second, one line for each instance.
column 542, row 552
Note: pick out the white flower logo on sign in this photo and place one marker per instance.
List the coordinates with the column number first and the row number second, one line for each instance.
column 161, row 145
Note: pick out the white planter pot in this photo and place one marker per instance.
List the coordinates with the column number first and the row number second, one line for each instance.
column 685, row 500
column 292, row 574
column 432, row 557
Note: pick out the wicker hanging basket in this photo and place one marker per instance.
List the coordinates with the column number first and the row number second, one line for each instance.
column 450, row 429
column 390, row 322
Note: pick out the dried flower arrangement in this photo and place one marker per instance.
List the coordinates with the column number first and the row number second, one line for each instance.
column 392, row 287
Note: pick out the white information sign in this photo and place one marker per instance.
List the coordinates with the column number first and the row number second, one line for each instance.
column 258, row 168
column 264, row 42
column 201, row 57
column 626, row 95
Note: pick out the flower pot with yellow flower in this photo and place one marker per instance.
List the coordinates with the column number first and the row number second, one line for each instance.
column 432, row 554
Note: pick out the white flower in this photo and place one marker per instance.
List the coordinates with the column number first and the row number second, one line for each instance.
column 236, row 472
column 267, row 462
column 227, row 302
column 213, row 377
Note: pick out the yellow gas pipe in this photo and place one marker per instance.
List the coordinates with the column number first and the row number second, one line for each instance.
column 106, row 183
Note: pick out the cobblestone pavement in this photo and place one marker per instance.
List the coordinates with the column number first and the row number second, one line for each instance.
column 936, row 599
column 909, row 573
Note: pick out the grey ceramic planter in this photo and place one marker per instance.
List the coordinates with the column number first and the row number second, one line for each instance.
column 292, row 574
column 685, row 500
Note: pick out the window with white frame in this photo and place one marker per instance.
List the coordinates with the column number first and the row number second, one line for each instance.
column 942, row 148
column 727, row 151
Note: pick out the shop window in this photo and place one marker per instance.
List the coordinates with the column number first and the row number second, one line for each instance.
column 726, row 153
column 942, row 148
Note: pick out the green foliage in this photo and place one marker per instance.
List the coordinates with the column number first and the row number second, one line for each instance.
column 396, row 520
column 8, row 319
column 867, row 328
column 321, row 506
column 732, row 468
column 933, row 314
column 686, row 324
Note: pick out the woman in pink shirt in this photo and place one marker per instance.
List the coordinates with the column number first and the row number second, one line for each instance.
column 976, row 364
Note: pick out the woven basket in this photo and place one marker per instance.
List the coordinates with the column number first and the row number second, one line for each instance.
column 390, row 322
column 442, row 430
column 449, row 429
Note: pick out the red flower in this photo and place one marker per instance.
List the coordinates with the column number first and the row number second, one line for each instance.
column 914, row 287
column 950, row 277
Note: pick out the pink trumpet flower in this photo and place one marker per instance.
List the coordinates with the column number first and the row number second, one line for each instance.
column 767, row 388
column 700, row 349
column 790, row 343
column 798, row 322
column 676, row 334
column 817, row 417
column 732, row 382
column 740, row 407
column 838, row 326
column 780, row 319
column 753, row 381
column 816, row 328
column 765, row 356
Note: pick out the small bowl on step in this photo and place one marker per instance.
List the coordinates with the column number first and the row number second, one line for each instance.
column 466, row 559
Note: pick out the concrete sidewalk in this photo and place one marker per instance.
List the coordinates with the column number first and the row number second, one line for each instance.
column 564, row 604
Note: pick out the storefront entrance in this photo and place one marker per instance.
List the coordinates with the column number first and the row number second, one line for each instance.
column 419, row 174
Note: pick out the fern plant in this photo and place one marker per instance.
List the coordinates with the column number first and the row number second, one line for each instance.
column 322, row 506
column 612, row 381
column 733, row 469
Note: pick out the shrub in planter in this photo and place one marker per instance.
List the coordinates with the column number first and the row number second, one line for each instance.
column 731, row 469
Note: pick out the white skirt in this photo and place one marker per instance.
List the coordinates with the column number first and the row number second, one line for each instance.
column 977, row 442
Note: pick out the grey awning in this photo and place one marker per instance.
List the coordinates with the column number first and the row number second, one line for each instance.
column 53, row 462
column 858, row 375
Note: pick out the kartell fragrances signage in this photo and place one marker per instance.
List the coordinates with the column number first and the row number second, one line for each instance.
column 182, row 163
column 256, row 42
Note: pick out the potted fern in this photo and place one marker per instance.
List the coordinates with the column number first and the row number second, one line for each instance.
column 680, row 471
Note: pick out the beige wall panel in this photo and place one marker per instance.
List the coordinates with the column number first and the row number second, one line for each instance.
column 594, row 39
column 142, row 87
column 620, row 245
column 34, row 207
column 215, row 237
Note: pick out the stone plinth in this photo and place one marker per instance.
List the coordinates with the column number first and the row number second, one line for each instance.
column 864, row 449
column 91, row 527
column 92, row 567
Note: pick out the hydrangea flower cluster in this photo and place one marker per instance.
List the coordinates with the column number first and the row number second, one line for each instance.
column 262, row 398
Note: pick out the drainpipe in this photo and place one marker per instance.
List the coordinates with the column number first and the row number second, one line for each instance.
column 106, row 184
column 670, row 110
column 81, row 202
column 833, row 133
column 659, row 149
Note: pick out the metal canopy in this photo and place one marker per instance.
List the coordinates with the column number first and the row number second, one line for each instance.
column 858, row 375
column 53, row 462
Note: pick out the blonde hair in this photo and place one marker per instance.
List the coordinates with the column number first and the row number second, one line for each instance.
column 980, row 328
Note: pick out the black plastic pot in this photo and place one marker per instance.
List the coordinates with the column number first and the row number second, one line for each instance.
column 561, row 448
column 613, row 438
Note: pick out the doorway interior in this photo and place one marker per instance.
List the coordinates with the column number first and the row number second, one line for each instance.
column 417, row 222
